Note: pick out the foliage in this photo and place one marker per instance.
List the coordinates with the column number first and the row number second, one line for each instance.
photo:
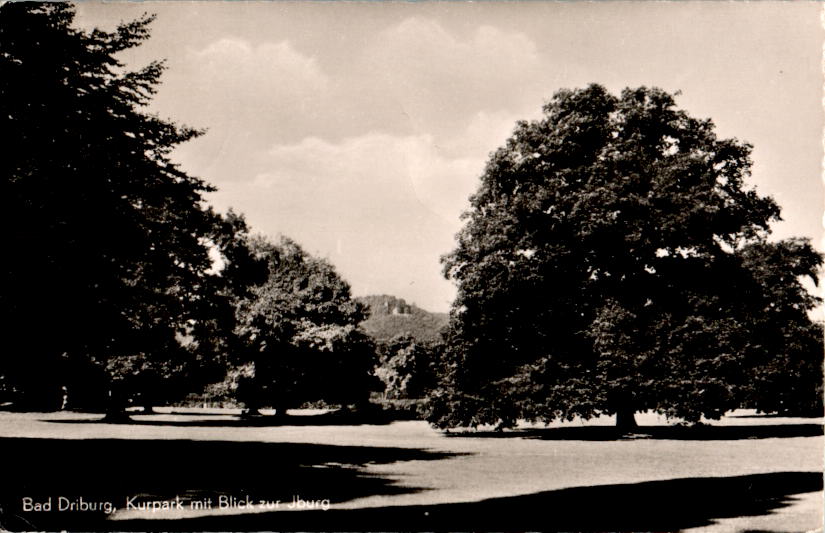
column 789, row 375
column 301, row 329
column 408, row 367
column 608, row 264
column 107, row 240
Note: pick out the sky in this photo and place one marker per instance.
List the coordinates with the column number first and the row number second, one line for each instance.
column 360, row 129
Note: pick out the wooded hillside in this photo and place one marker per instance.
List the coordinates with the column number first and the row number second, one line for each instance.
column 390, row 316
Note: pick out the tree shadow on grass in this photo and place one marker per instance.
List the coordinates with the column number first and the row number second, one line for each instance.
column 777, row 415
column 116, row 469
column 377, row 418
column 670, row 505
column 703, row 432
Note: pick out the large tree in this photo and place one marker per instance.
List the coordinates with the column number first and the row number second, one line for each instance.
column 611, row 262
column 302, row 334
column 107, row 241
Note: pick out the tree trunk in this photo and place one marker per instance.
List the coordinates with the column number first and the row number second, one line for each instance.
column 64, row 392
column 116, row 405
column 249, row 392
column 280, row 410
column 148, row 402
column 252, row 406
column 625, row 419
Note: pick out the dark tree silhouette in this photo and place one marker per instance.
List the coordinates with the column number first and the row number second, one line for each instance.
column 613, row 260
column 408, row 367
column 107, row 241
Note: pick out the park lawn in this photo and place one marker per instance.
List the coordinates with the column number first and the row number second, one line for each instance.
column 746, row 472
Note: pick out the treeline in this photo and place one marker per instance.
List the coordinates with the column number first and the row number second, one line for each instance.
column 612, row 261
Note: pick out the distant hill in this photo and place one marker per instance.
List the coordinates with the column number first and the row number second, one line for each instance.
column 391, row 316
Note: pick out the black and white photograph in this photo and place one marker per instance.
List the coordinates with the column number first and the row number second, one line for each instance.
column 412, row 266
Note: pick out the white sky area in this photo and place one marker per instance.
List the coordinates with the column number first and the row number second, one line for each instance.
column 361, row 129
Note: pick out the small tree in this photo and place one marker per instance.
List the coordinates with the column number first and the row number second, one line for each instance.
column 787, row 374
column 108, row 241
column 302, row 335
column 408, row 367
column 609, row 265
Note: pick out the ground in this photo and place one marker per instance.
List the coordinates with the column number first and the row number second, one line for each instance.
column 747, row 472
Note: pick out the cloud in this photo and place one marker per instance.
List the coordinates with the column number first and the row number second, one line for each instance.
column 256, row 82
column 369, row 165
column 482, row 133
column 383, row 208
column 435, row 77
column 245, row 95
column 369, row 178
column 413, row 78
column 382, row 204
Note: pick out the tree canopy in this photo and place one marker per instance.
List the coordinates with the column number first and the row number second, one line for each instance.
column 107, row 241
column 302, row 334
column 614, row 260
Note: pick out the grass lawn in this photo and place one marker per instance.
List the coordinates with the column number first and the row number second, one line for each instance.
column 193, row 469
